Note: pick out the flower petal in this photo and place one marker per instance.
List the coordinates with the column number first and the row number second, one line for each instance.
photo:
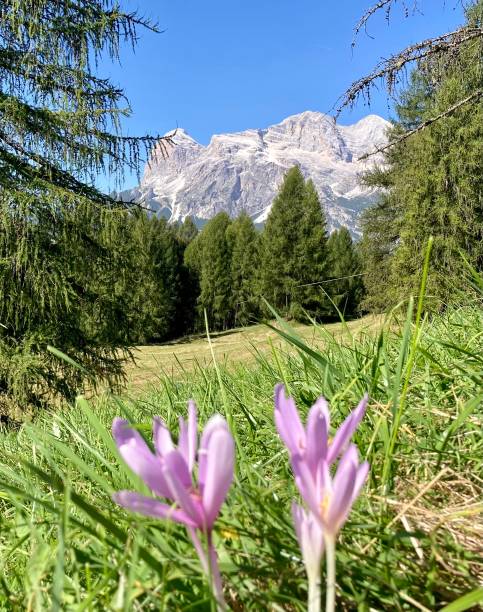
column 310, row 538
column 215, row 423
column 136, row 453
column 219, row 473
column 306, row 483
column 317, row 433
column 343, row 486
column 150, row 507
column 323, row 479
column 183, row 438
column 176, row 464
column 162, row 437
column 287, row 420
column 346, row 430
column 361, row 477
column 191, row 507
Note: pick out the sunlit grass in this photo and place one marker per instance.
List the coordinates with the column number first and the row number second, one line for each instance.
column 231, row 348
column 412, row 542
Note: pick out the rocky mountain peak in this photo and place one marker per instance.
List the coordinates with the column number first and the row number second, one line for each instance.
column 243, row 170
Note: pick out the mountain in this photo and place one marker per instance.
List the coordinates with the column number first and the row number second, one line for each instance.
column 243, row 171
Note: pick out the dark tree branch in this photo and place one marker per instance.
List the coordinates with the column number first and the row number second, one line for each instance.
column 449, row 111
column 389, row 69
column 362, row 23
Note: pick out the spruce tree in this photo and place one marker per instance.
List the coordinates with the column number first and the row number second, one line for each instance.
column 185, row 321
column 187, row 231
column 152, row 290
column 193, row 260
column 243, row 241
column 294, row 249
column 280, row 267
column 213, row 261
column 345, row 287
column 312, row 255
column 193, row 254
column 380, row 224
column 59, row 253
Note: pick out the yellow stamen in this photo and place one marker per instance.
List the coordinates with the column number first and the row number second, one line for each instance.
column 324, row 505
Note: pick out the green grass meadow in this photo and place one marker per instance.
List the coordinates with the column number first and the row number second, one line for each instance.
column 228, row 349
column 412, row 542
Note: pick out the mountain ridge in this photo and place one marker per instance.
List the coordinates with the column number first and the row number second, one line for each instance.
column 243, row 170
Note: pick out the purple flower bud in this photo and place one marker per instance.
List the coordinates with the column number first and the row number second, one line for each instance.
column 311, row 539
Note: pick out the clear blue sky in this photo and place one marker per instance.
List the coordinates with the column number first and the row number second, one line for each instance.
column 223, row 66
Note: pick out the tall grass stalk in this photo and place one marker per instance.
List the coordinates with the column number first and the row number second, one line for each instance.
column 398, row 408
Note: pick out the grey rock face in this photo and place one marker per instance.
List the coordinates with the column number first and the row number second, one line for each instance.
column 243, row 171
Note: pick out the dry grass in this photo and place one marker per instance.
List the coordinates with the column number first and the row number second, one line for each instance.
column 460, row 512
column 231, row 347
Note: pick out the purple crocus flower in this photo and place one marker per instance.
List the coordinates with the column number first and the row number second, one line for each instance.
column 312, row 442
column 312, row 453
column 168, row 472
column 329, row 498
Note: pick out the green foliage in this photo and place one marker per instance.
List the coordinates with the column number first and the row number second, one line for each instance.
column 286, row 263
column 187, row 231
column 380, row 239
column 213, row 260
column 435, row 185
column 294, row 249
column 243, row 240
column 345, row 287
column 153, row 285
column 193, row 267
column 56, row 283
column 280, row 266
column 223, row 264
column 59, row 254
column 312, row 253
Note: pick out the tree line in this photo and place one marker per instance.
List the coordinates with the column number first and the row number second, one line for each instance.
column 172, row 274
column 289, row 264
